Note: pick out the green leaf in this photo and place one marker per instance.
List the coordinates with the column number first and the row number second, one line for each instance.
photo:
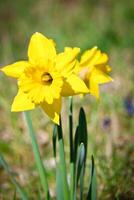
column 19, row 189
column 62, row 163
column 72, row 181
column 70, row 116
column 63, row 171
column 82, row 130
column 39, row 193
column 59, row 185
column 81, row 134
column 81, row 137
column 59, row 131
column 14, row 196
column 76, row 143
column 92, row 192
column 80, row 160
column 54, row 139
column 79, row 169
column 81, row 182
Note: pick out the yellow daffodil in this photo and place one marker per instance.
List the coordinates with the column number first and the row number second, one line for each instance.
column 45, row 77
column 93, row 69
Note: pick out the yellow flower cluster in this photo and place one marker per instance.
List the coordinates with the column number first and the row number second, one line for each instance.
column 48, row 76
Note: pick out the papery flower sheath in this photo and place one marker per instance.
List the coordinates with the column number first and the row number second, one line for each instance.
column 94, row 70
column 45, row 77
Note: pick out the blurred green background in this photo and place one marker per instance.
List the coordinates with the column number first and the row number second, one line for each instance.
column 108, row 24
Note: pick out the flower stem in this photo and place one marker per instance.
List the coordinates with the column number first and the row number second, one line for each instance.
column 72, row 181
column 71, row 148
column 71, row 128
column 62, row 163
column 37, row 156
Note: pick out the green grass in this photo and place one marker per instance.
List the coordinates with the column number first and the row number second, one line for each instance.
column 107, row 24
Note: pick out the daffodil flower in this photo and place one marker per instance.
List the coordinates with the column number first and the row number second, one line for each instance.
column 45, row 77
column 93, row 69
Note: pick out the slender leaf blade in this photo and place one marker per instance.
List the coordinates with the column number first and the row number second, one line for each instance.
column 54, row 139
column 76, row 143
column 80, row 160
column 62, row 163
column 79, row 166
column 81, row 134
column 81, row 182
column 19, row 189
column 83, row 130
column 14, row 196
column 92, row 192
column 59, row 185
column 70, row 116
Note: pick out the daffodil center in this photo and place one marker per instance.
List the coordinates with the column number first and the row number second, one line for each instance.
column 46, row 78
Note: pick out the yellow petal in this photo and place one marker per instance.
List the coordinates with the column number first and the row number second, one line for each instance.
column 52, row 110
column 100, row 77
column 68, row 69
column 100, row 58
column 93, row 57
column 40, row 48
column 22, row 103
column 88, row 55
column 16, row 69
column 74, row 85
column 74, row 50
column 94, row 88
column 63, row 60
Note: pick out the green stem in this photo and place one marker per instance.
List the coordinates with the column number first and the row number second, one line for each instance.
column 36, row 152
column 72, row 181
column 71, row 148
column 63, row 170
column 71, row 128
column 63, row 162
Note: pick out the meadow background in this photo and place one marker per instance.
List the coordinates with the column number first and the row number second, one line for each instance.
column 107, row 24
